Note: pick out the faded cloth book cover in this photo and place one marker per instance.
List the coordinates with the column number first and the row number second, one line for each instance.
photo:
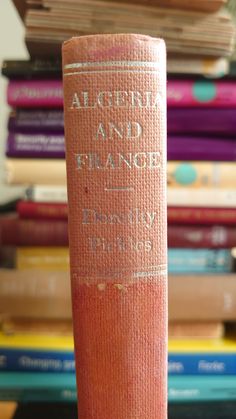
column 115, row 130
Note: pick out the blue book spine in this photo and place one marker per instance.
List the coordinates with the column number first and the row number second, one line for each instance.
column 61, row 362
column 199, row 261
column 36, row 361
column 201, row 364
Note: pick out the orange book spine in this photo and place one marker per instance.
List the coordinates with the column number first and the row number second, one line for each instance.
column 115, row 130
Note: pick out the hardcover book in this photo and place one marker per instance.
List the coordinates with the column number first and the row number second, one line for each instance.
column 115, row 109
column 216, row 292
column 41, row 210
column 212, row 121
column 36, row 145
column 23, row 171
column 201, row 93
column 34, row 93
column 31, row 69
column 214, row 237
column 36, row 121
column 202, row 357
column 35, row 296
column 203, row 148
column 42, row 258
column 200, row 216
column 201, row 174
column 199, row 261
column 47, row 194
column 215, row 197
column 26, row 232
column 43, row 327
column 196, row 330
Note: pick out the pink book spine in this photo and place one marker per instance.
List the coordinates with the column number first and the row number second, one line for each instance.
column 201, row 93
column 35, row 93
column 48, row 93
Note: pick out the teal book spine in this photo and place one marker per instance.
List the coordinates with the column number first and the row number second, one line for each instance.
column 201, row 388
column 37, row 387
column 53, row 387
column 199, row 261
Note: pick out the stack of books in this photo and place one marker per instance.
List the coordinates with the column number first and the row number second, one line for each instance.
column 201, row 234
column 35, row 158
column 36, row 345
column 201, row 213
column 201, row 175
column 199, row 34
column 36, row 341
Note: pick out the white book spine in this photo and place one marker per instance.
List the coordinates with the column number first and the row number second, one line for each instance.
column 202, row 197
column 52, row 194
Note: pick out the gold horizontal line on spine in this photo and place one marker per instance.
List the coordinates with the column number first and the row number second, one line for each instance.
column 145, row 275
column 112, row 71
column 140, row 268
column 150, row 271
column 112, row 64
column 119, row 188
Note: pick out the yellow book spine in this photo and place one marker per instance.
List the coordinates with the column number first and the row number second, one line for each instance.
column 206, row 345
column 44, row 342
column 65, row 343
column 35, row 171
column 43, row 258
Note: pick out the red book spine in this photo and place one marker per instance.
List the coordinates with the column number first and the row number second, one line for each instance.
column 115, row 129
column 20, row 232
column 40, row 210
column 191, row 215
column 215, row 237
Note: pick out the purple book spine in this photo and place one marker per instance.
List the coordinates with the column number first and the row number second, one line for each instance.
column 202, row 121
column 36, row 121
column 35, row 145
column 180, row 121
column 200, row 148
column 46, row 145
column 35, row 93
